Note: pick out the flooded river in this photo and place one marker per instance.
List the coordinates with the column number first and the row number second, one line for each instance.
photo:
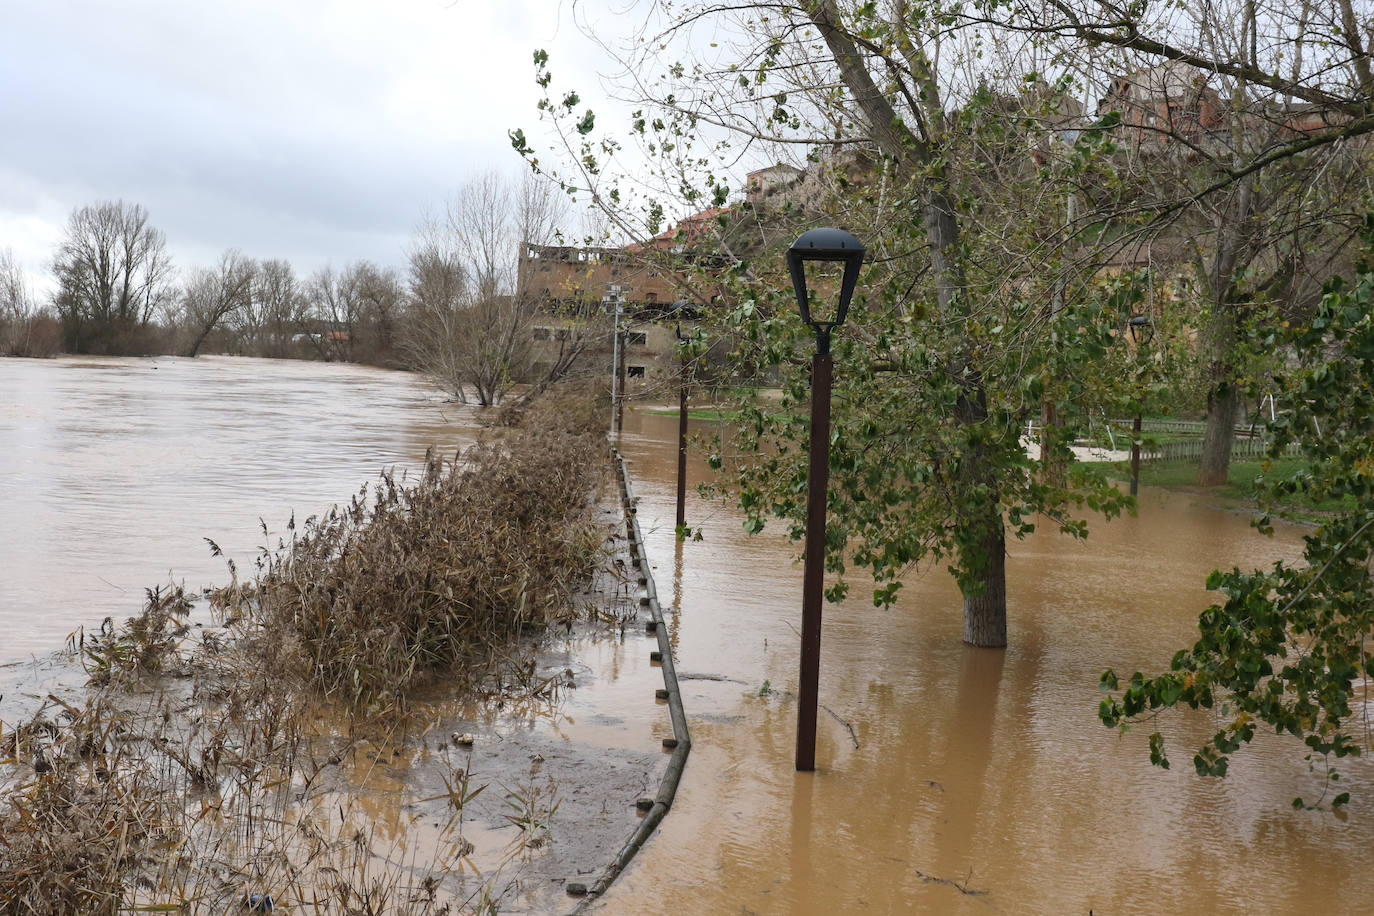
column 974, row 781
column 949, row 780
column 113, row 472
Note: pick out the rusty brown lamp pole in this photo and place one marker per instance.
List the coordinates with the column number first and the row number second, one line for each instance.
column 681, row 438
column 1142, row 332
column 824, row 251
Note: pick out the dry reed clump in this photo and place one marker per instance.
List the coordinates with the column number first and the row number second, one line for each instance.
column 72, row 837
column 128, row 807
column 412, row 580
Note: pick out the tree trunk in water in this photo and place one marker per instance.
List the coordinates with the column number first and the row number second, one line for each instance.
column 200, row 339
column 1054, row 468
column 985, row 613
column 1223, row 406
column 983, row 550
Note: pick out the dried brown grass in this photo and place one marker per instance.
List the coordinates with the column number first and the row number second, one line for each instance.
column 409, row 581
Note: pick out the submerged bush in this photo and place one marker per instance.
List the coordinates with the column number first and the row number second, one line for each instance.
column 413, row 579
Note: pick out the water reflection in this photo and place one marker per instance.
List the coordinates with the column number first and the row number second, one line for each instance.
column 983, row 781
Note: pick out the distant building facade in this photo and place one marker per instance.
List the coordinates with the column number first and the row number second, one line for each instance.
column 578, row 287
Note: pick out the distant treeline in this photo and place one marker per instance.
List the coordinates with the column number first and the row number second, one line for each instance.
column 118, row 293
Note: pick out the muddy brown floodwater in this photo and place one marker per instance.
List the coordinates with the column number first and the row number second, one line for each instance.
column 950, row 780
column 974, row 781
column 114, row 471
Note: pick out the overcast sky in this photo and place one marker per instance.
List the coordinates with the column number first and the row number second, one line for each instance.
column 314, row 130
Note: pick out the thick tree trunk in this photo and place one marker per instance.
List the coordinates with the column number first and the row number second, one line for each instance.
column 983, row 549
column 985, row 611
column 1223, row 406
column 200, row 339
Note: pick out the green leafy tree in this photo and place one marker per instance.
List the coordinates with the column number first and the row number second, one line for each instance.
column 980, row 306
column 1287, row 648
column 1244, row 130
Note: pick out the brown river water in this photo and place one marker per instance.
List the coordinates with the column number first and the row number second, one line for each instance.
column 113, row 472
column 975, row 770
column 973, row 781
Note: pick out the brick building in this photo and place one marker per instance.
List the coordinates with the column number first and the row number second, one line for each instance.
column 580, row 288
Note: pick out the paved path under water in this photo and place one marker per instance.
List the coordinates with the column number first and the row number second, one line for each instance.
column 974, row 781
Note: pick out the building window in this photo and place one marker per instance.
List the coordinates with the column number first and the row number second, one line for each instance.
column 562, row 334
column 636, row 338
column 651, row 298
column 542, row 333
column 634, row 372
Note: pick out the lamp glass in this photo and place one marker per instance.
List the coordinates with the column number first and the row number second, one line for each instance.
column 824, row 280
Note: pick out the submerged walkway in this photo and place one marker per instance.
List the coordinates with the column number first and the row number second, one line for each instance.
column 680, row 742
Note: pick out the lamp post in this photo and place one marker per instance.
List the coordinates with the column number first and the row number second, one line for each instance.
column 681, row 437
column 823, row 304
column 616, row 388
column 1142, row 332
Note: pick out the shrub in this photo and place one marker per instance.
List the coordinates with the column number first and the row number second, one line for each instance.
column 414, row 579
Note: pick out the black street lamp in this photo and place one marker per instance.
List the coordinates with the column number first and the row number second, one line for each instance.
column 824, row 264
column 1141, row 328
column 681, row 429
column 1142, row 332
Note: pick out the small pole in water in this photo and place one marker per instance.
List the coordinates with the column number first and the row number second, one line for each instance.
column 1135, row 455
column 681, row 439
column 615, row 365
column 1142, row 332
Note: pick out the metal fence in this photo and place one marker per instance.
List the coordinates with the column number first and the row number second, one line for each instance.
column 1249, row 443
column 1190, row 450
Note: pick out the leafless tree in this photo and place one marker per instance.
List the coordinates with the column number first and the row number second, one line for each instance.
column 16, row 303
column 113, row 274
column 335, row 304
column 381, row 294
column 468, row 328
column 25, row 330
column 213, row 296
column 351, row 313
column 274, row 314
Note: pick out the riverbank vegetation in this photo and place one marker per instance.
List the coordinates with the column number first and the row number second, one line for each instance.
column 414, row 579
column 203, row 771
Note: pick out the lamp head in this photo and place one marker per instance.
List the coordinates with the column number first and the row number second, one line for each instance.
column 824, row 264
column 1141, row 328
